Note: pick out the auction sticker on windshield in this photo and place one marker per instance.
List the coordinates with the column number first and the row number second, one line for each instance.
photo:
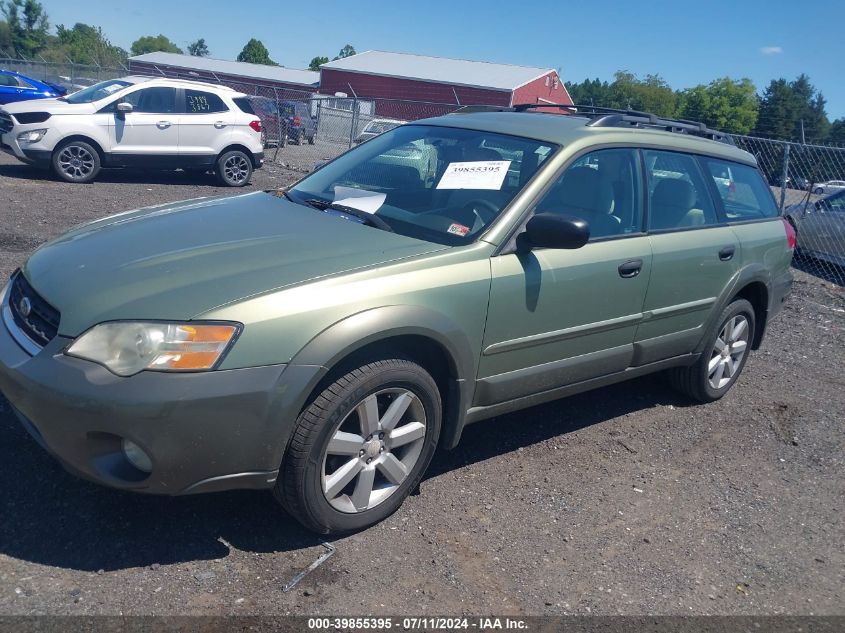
column 480, row 174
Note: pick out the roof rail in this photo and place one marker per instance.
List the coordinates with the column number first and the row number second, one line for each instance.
column 470, row 109
column 612, row 117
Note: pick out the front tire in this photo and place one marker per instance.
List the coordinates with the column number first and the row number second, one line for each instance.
column 76, row 161
column 724, row 356
column 361, row 447
column 234, row 168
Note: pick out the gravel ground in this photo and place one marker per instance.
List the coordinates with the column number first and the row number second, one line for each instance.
column 626, row 500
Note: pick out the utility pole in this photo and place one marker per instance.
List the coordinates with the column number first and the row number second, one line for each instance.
column 803, row 141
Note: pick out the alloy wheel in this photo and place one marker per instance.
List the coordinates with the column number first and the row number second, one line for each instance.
column 76, row 162
column 728, row 351
column 373, row 450
column 236, row 169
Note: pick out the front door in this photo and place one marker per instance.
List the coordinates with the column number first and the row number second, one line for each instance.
column 558, row 317
column 149, row 135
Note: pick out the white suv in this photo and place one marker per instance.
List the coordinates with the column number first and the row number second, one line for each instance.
column 137, row 122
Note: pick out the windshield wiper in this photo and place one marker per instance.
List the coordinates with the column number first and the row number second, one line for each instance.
column 368, row 218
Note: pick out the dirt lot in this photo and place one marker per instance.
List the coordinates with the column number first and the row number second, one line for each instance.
column 627, row 500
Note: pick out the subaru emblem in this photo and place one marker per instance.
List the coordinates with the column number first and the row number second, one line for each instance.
column 25, row 307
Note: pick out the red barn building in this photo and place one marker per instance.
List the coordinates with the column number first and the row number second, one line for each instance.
column 437, row 84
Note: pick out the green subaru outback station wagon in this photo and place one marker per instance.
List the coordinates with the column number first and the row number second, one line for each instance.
column 323, row 341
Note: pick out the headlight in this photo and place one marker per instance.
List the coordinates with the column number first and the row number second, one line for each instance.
column 126, row 348
column 33, row 136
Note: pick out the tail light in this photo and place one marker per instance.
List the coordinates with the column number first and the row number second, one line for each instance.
column 255, row 125
column 297, row 121
column 790, row 233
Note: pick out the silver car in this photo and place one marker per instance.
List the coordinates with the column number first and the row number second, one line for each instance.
column 821, row 227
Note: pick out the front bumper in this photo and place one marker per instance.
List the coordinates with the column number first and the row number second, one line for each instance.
column 203, row 432
column 32, row 154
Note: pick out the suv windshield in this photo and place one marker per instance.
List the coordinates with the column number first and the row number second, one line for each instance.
column 440, row 184
column 97, row 91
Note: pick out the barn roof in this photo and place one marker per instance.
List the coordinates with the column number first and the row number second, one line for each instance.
column 439, row 69
column 242, row 69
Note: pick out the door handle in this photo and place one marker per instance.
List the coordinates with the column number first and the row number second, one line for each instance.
column 219, row 125
column 163, row 125
column 727, row 253
column 630, row 268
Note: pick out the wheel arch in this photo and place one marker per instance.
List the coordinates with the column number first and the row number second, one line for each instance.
column 85, row 139
column 240, row 147
column 422, row 335
column 753, row 284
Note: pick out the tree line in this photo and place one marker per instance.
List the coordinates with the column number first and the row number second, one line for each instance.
column 788, row 110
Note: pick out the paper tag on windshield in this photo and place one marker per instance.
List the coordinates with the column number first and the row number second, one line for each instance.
column 112, row 88
column 361, row 199
column 479, row 174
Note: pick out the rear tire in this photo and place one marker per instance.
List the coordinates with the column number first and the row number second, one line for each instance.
column 361, row 447
column 727, row 349
column 76, row 161
column 234, row 168
column 312, row 138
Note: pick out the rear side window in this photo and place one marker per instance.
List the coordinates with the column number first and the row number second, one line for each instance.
column 744, row 194
column 677, row 193
column 198, row 102
column 244, row 105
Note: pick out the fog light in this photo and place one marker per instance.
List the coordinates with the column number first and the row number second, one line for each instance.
column 136, row 456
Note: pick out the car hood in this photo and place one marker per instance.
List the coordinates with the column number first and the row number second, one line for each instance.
column 178, row 261
column 52, row 105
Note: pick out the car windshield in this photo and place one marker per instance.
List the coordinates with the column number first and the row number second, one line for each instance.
column 97, row 91
column 439, row 184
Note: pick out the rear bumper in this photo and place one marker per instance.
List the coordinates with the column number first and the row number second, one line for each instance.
column 780, row 290
column 203, row 432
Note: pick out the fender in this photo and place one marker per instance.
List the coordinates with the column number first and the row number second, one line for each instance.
column 352, row 333
column 749, row 273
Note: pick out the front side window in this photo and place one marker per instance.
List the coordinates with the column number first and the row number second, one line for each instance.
column 97, row 91
column 440, row 184
column 199, row 102
column 602, row 187
column 745, row 196
column 678, row 194
column 153, row 100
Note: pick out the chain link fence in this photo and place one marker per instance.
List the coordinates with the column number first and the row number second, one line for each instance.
column 68, row 75
column 303, row 129
column 809, row 184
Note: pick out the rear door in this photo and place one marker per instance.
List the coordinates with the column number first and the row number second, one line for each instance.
column 204, row 127
column 149, row 135
column 695, row 256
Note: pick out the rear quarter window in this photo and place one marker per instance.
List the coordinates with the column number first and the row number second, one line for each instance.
column 198, row 102
column 244, row 105
column 744, row 193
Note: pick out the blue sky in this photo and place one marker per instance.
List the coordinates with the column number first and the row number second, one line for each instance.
column 685, row 42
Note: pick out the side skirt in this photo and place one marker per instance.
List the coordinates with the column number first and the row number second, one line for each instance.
column 477, row 414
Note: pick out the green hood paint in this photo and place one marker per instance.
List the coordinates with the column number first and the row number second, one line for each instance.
column 181, row 260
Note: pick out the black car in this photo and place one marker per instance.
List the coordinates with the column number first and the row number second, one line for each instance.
column 296, row 118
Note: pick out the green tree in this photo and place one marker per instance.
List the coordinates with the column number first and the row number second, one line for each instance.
column 256, row 53
column 27, row 24
column 786, row 106
column 346, row 51
column 84, row 43
column 590, row 92
column 198, row 48
column 5, row 38
column 154, row 43
column 837, row 132
column 651, row 94
column 724, row 104
column 317, row 62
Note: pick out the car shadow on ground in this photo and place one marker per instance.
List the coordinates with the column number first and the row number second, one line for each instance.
column 117, row 176
column 53, row 518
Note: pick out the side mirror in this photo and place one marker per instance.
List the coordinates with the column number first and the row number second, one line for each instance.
column 123, row 107
column 550, row 230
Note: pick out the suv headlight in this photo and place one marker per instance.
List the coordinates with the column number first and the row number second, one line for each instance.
column 33, row 136
column 126, row 348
